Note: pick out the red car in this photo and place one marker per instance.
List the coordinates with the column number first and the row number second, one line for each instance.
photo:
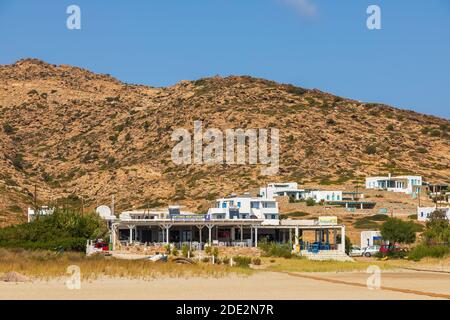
column 386, row 248
column 102, row 246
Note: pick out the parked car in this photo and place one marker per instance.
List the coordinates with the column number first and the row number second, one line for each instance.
column 370, row 250
column 355, row 251
column 387, row 248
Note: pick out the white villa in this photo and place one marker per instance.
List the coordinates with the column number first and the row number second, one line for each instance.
column 424, row 212
column 291, row 190
column 245, row 207
column 405, row 184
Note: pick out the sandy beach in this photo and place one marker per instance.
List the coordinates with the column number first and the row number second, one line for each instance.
column 262, row 285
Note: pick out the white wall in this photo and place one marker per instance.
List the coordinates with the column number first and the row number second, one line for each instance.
column 367, row 238
column 423, row 212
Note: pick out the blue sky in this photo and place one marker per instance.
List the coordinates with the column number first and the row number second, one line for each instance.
column 320, row 44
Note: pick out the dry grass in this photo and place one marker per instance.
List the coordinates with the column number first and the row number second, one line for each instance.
column 47, row 265
column 305, row 265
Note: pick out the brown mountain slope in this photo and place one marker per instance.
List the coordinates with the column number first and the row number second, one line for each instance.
column 71, row 131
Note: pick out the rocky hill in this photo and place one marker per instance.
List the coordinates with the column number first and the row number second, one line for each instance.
column 73, row 133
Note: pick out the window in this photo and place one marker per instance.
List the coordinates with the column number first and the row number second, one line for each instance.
column 254, row 205
column 239, row 204
column 224, row 205
column 328, row 197
column 338, row 197
column 269, row 205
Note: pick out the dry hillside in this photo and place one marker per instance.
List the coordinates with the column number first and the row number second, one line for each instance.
column 70, row 131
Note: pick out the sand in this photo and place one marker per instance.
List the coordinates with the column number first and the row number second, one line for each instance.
column 262, row 285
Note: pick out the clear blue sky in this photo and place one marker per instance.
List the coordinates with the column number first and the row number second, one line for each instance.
column 322, row 44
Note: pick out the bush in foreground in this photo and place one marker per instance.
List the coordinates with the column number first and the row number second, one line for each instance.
column 422, row 251
column 66, row 230
column 272, row 249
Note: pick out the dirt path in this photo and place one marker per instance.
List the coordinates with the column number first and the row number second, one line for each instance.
column 359, row 280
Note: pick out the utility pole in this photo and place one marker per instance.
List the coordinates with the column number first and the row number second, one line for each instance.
column 112, row 205
column 36, row 211
column 82, row 206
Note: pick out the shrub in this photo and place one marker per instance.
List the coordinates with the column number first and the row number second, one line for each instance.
column 371, row 149
column 256, row 261
column 435, row 133
column 241, row 261
column 331, row 122
column 185, row 250
column 208, row 250
column 175, row 251
column 215, row 252
column 8, row 129
column 272, row 249
column 310, row 202
column 226, row 260
column 390, row 127
column 423, row 250
column 422, row 150
column 297, row 214
column 63, row 229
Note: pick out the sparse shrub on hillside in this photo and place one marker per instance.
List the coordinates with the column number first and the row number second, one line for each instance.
column 331, row 122
column 295, row 90
column 422, row 150
column 310, row 202
column 372, row 149
column 435, row 133
column 390, row 127
column 18, row 161
column 8, row 129
column 296, row 214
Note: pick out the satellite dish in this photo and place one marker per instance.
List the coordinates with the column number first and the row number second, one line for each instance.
column 103, row 211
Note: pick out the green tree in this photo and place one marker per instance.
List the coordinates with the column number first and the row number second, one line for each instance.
column 398, row 231
column 310, row 202
column 64, row 228
column 437, row 228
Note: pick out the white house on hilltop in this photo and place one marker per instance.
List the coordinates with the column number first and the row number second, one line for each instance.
column 404, row 184
column 291, row 190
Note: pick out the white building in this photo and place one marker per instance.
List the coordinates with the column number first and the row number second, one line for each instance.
column 42, row 211
column 405, row 184
column 368, row 238
column 424, row 212
column 324, row 195
column 289, row 189
column 245, row 207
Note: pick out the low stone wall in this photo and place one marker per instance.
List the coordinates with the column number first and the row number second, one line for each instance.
column 223, row 251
